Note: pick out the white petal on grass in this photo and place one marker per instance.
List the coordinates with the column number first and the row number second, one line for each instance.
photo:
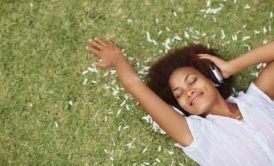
column 159, row 33
column 106, row 151
column 118, row 113
column 244, row 26
column 94, row 82
column 56, row 124
column 260, row 65
column 234, row 37
column 148, row 37
column 123, row 103
column 85, row 81
column 247, row 6
column 213, row 10
column 235, row 1
column 30, row 104
column 186, row 35
column 126, row 127
column 92, row 69
column 154, row 42
column 130, row 145
column 129, row 21
column 119, row 128
column 256, row 74
column 234, row 91
column 84, row 72
column 166, row 44
column 223, row 34
column 106, row 74
column 246, row 38
column 159, row 148
column 157, row 20
column 146, row 163
column 177, row 37
column 265, row 41
column 112, row 72
column 271, row 14
column 127, row 107
column 264, row 30
column 170, row 152
column 208, row 3
column 111, row 158
column 158, row 160
column 197, row 38
column 248, row 47
column 145, row 149
column 257, row 32
column 31, row 5
column 70, row 103
column 174, row 14
column 167, row 28
column 115, row 92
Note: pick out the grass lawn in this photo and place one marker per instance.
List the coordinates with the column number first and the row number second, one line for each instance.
column 55, row 110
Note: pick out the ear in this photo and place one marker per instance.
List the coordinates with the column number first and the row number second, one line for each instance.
column 216, row 85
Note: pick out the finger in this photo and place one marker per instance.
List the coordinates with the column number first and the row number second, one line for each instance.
column 100, row 41
column 111, row 42
column 207, row 56
column 93, row 50
column 96, row 44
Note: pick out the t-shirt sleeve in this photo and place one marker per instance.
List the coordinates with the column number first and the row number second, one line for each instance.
column 256, row 93
column 198, row 127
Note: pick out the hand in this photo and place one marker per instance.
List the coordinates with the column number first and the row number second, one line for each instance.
column 224, row 66
column 109, row 53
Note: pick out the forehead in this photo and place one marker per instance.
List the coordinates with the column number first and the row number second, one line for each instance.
column 181, row 73
column 184, row 71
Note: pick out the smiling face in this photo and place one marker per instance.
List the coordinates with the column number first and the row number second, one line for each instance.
column 193, row 91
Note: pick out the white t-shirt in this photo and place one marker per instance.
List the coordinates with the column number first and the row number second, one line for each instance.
column 219, row 140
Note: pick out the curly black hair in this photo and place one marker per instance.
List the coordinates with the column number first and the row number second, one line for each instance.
column 161, row 70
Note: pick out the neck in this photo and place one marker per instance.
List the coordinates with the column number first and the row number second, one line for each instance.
column 223, row 108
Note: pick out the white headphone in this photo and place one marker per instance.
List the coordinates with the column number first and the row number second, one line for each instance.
column 215, row 74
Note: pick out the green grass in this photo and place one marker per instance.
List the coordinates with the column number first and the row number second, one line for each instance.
column 42, row 56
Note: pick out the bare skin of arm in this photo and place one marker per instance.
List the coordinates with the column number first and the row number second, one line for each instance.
column 169, row 120
column 261, row 54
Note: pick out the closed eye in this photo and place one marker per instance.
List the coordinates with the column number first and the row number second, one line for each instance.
column 179, row 95
column 192, row 80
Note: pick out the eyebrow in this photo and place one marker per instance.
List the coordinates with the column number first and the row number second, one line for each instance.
column 184, row 81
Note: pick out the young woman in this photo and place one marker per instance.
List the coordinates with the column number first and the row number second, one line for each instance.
column 236, row 131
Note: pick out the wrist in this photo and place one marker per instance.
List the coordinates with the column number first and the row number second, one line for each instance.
column 235, row 66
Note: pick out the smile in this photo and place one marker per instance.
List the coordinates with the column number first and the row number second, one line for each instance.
column 196, row 98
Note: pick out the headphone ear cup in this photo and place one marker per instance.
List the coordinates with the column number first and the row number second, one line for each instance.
column 215, row 75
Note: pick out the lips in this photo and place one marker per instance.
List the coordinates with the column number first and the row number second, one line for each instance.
column 195, row 98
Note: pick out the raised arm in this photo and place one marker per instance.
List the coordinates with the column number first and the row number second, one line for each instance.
column 261, row 54
column 169, row 120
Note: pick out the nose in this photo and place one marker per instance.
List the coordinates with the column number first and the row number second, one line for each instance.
column 190, row 92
